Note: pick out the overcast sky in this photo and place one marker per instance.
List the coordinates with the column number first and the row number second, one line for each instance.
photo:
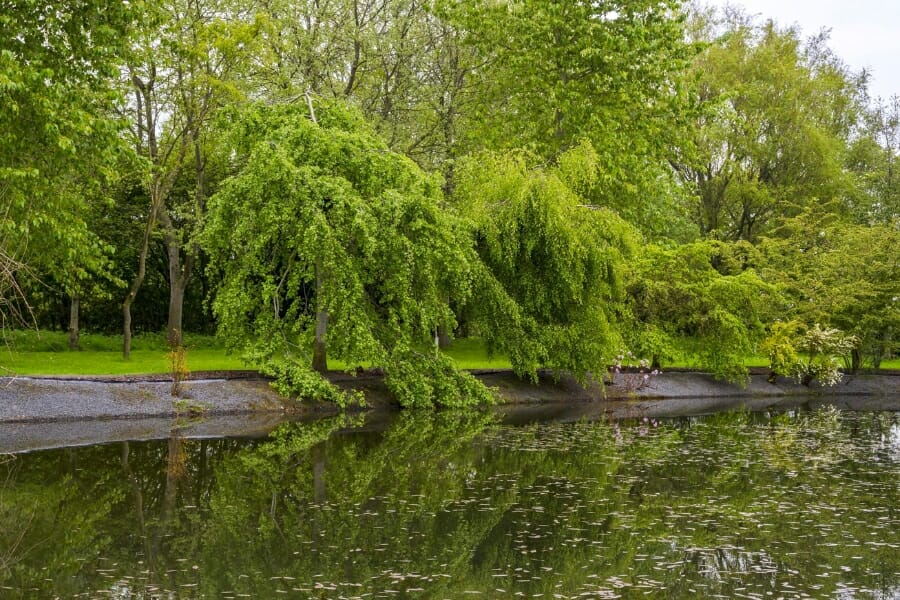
column 864, row 33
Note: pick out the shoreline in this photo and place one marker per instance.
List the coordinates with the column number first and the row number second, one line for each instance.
column 77, row 398
column 54, row 412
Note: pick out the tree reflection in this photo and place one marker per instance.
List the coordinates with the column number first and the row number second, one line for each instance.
column 438, row 505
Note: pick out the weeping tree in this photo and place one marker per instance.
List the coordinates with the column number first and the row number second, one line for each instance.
column 549, row 292
column 325, row 244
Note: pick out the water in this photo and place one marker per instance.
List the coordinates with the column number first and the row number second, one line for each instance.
column 797, row 505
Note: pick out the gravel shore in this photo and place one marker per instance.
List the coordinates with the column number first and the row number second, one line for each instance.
column 32, row 399
column 40, row 413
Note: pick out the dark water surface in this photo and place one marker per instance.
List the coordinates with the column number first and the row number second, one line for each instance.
column 794, row 505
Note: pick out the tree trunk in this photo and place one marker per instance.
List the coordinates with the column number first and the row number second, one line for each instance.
column 179, row 276
column 126, row 329
column 176, row 311
column 320, row 356
column 855, row 360
column 443, row 338
column 138, row 498
column 320, row 351
column 73, row 322
column 138, row 281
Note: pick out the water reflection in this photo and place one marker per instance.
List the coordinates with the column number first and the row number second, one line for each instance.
column 448, row 505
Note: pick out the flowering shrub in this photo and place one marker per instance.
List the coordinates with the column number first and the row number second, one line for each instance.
column 807, row 355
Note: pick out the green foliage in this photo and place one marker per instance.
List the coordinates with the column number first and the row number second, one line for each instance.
column 872, row 158
column 296, row 380
column 420, row 380
column 58, row 143
column 844, row 275
column 704, row 299
column 781, row 347
column 321, row 217
column 549, row 295
column 557, row 73
column 598, row 66
column 776, row 118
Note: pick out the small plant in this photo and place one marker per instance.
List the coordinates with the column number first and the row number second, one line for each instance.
column 186, row 407
column 177, row 368
column 630, row 373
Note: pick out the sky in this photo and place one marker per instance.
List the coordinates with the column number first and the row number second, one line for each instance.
column 864, row 33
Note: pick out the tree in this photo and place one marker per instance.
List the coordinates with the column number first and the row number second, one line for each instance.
column 872, row 157
column 325, row 243
column 841, row 275
column 703, row 299
column 58, row 143
column 821, row 348
column 559, row 72
column 772, row 136
column 551, row 290
column 182, row 73
column 404, row 63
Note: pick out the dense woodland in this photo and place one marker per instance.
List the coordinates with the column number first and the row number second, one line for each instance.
column 355, row 179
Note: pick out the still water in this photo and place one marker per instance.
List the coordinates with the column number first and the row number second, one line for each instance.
column 794, row 505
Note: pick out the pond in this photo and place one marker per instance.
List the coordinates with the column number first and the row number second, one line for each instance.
column 802, row 504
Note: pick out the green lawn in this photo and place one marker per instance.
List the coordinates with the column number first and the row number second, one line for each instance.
column 46, row 353
column 93, row 362
column 27, row 353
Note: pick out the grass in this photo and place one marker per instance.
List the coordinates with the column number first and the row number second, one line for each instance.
column 471, row 354
column 111, row 363
column 30, row 353
column 47, row 353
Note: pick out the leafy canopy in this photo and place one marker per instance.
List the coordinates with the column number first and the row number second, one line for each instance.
column 704, row 299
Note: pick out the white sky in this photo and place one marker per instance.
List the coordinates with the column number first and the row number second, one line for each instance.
column 864, row 33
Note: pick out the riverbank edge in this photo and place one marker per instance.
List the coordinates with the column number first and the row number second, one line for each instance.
column 74, row 398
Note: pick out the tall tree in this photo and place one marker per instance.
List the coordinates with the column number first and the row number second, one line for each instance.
column 184, row 70
column 58, row 62
column 772, row 136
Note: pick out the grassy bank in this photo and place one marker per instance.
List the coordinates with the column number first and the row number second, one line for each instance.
column 29, row 353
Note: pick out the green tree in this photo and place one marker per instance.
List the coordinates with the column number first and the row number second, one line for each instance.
column 846, row 276
column 404, row 63
column 554, row 262
column 58, row 144
column 184, row 68
column 605, row 71
column 773, row 133
column 873, row 158
column 703, row 299
column 325, row 240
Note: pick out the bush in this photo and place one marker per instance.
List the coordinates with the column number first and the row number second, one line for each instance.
column 807, row 354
